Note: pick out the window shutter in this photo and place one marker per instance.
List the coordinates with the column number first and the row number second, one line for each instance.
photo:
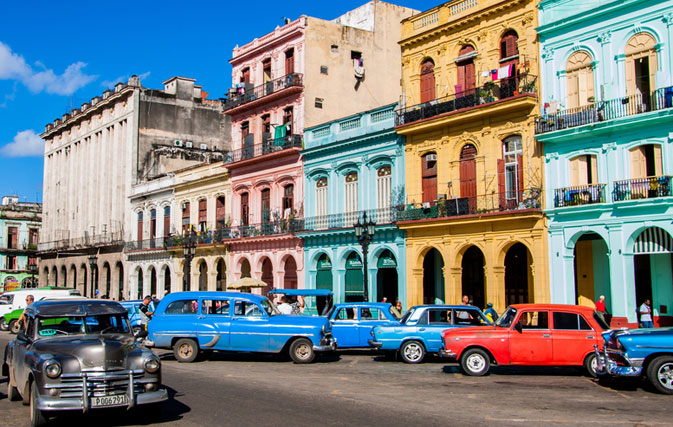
column 574, row 172
column 630, row 65
column 519, row 167
column 502, row 189
column 572, row 86
column 638, row 167
column 658, row 169
column 594, row 170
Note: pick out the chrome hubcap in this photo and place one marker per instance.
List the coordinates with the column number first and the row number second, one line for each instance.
column 476, row 363
column 413, row 352
column 665, row 375
column 185, row 350
column 594, row 365
column 303, row 351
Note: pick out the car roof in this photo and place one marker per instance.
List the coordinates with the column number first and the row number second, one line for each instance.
column 173, row 296
column 444, row 306
column 302, row 292
column 83, row 307
column 381, row 305
column 581, row 308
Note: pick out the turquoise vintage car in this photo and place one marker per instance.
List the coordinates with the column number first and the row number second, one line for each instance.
column 637, row 353
column 352, row 322
column 193, row 322
column 419, row 331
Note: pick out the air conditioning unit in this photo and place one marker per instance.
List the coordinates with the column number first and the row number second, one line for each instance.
column 177, row 143
column 203, row 146
column 189, row 144
column 432, row 157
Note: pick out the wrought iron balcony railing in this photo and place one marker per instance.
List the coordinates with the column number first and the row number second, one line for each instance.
column 601, row 111
column 347, row 219
column 486, row 94
column 484, row 204
column 105, row 239
column 240, row 96
column 579, row 195
column 642, row 188
column 147, row 244
column 266, row 147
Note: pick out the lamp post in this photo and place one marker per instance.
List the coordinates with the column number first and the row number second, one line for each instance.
column 189, row 250
column 33, row 269
column 364, row 232
column 92, row 264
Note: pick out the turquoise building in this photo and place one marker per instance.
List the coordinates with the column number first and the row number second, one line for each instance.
column 19, row 236
column 354, row 166
column 606, row 128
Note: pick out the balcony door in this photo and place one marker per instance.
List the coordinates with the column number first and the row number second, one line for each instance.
column 580, row 79
column 583, row 171
column 245, row 209
column 466, row 73
column 321, row 203
column 429, row 177
column 468, row 175
column 641, row 65
column 427, row 81
column 646, row 161
column 266, row 206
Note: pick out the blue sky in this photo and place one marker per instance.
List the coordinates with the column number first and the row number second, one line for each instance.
column 54, row 54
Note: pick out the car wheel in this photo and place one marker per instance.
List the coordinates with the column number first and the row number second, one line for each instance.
column 412, row 352
column 660, row 374
column 3, row 324
column 591, row 365
column 475, row 362
column 37, row 417
column 14, row 326
column 301, row 351
column 185, row 350
column 12, row 391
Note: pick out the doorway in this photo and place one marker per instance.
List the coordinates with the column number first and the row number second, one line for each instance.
column 433, row 278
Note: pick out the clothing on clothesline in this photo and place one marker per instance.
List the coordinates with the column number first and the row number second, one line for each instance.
column 504, row 72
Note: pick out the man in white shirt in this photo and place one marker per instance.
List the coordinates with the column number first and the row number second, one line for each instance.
column 646, row 315
column 284, row 307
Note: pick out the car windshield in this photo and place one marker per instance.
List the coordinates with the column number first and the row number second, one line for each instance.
column 393, row 312
column 407, row 315
column 83, row 325
column 269, row 307
column 506, row 319
column 6, row 299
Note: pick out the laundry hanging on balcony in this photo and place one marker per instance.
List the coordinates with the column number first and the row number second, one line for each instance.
column 505, row 72
column 279, row 134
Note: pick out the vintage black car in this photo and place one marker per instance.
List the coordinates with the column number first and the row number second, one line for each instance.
column 79, row 355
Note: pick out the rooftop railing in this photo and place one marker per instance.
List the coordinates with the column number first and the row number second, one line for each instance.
column 266, row 147
column 642, row 188
column 487, row 94
column 601, row 111
column 579, row 195
column 240, row 96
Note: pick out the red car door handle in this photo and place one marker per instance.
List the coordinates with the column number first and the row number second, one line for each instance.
column 546, row 335
column 590, row 337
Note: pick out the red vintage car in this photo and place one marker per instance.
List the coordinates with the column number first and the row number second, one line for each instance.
column 529, row 334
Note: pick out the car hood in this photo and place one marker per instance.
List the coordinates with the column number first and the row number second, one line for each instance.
column 91, row 351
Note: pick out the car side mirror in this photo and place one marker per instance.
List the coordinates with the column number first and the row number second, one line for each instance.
column 518, row 327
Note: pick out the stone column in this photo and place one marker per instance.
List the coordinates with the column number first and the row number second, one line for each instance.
column 176, row 283
column 212, row 280
column 496, row 288
column 415, row 287
column 453, row 284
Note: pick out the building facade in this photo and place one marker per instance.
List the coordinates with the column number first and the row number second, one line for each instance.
column 605, row 125
column 473, row 219
column 93, row 157
column 19, row 236
column 354, row 166
column 306, row 72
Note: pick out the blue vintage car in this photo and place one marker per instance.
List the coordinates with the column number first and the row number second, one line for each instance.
column 134, row 313
column 189, row 322
column 419, row 331
column 637, row 353
column 352, row 322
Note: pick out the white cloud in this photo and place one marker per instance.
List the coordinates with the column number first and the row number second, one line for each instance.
column 110, row 83
column 14, row 67
column 26, row 143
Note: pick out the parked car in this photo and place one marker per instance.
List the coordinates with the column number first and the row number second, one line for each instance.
column 529, row 334
column 189, row 322
column 80, row 356
column 132, row 308
column 12, row 319
column 638, row 353
column 17, row 299
column 419, row 331
column 352, row 323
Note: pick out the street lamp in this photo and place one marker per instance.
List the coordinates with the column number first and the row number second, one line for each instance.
column 32, row 267
column 364, row 232
column 92, row 263
column 189, row 250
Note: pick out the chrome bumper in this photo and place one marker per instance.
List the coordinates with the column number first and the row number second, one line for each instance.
column 47, row 403
column 326, row 344
column 447, row 354
column 375, row 344
column 148, row 343
column 608, row 367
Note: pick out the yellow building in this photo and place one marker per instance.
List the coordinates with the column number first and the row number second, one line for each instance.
column 473, row 216
column 203, row 198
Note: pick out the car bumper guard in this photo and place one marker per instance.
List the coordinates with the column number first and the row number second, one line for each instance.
column 605, row 366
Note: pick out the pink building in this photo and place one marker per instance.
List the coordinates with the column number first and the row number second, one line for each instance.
column 307, row 72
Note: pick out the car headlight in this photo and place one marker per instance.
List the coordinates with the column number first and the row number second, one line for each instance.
column 152, row 365
column 52, row 368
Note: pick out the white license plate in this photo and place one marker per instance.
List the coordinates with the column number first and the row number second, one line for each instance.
column 105, row 401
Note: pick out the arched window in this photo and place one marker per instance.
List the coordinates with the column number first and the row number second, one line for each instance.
column 509, row 46
column 383, row 187
column 466, row 72
column 427, row 81
column 153, row 224
column 641, row 64
column 203, row 214
column 140, row 226
column 245, row 209
column 351, row 193
column 321, row 202
column 509, row 58
column 646, row 161
column 579, row 79
column 167, row 221
column 429, row 177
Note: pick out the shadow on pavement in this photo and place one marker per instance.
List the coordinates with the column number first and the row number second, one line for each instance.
column 505, row 371
column 243, row 357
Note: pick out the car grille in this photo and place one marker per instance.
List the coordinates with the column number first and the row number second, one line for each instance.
column 101, row 383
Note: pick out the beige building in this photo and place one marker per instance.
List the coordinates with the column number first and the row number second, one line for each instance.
column 96, row 154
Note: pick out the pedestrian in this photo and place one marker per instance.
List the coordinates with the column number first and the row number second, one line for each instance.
column 284, row 307
column 397, row 309
column 466, row 300
column 645, row 312
column 385, row 299
column 145, row 313
column 600, row 308
column 22, row 320
column 490, row 312
column 297, row 307
column 463, row 314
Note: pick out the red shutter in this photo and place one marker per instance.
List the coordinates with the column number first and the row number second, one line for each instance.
column 203, row 210
column 427, row 82
column 140, row 228
column 167, row 222
column 501, row 184
column 519, row 163
column 461, row 79
column 289, row 62
column 429, row 189
column 470, row 78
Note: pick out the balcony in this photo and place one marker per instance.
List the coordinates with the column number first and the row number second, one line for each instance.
column 347, row 219
column 489, row 93
column 97, row 240
column 250, row 151
column 579, row 195
column 221, row 235
column 478, row 205
column 642, row 188
column 238, row 97
column 147, row 244
column 602, row 111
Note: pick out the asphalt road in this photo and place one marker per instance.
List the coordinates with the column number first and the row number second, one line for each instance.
column 361, row 388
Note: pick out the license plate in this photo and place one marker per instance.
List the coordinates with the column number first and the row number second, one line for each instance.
column 105, row 401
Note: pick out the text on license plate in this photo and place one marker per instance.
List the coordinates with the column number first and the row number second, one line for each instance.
column 102, row 401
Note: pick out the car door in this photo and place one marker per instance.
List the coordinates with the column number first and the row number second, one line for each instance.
column 572, row 337
column 438, row 319
column 249, row 329
column 179, row 319
column 530, row 342
column 345, row 326
column 214, row 323
column 21, row 347
column 369, row 317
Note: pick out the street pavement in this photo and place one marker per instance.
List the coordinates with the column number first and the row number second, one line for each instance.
column 363, row 388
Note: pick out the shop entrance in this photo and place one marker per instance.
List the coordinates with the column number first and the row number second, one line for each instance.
column 354, row 278
column 386, row 278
